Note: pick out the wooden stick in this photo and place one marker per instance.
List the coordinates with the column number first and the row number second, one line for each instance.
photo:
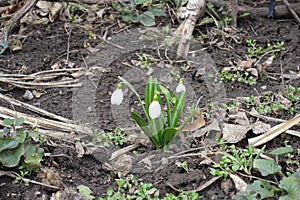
column 34, row 109
column 292, row 11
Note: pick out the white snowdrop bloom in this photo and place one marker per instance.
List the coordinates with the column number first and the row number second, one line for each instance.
column 154, row 109
column 180, row 87
column 117, row 96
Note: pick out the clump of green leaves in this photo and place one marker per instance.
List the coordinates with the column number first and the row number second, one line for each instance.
column 255, row 51
column 117, row 138
column 234, row 160
column 233, row 76
column 288, row 187
column 132, row 188
column 143, row 11
column 159, row 127
column 16, row 142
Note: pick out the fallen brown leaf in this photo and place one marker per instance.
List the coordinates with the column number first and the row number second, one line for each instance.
column 198, row 123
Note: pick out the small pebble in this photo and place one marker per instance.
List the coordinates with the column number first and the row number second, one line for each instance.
column 28, row 95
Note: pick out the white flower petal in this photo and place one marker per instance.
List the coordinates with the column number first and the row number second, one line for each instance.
column 180, row 88
column 154, row 110
column 117, row 97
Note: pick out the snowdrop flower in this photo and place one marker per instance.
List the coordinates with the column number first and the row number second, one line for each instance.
column 117, row 96
column 180, row 87
column 154, row 108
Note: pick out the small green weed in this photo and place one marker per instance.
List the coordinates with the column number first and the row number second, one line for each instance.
column 267, row 103
column 183, row 165
column 233, row 76
column 117, row 138
column 234, row 160
column 255, row 51
column 145, row 59
column 130, row 187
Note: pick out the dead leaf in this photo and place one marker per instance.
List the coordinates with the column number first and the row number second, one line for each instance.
column 77, row 74
column 239, row 183
column 198, row 123
column 15, row 45
column 79, row 149
column 226, row 186
column 233, row 133
column 49, row 177
column 260, row 127
column 286, row 103
column 238, row 118
column 39, row 93
column 123, row 164
column 246, row 64
column 267, row 64
column 253, row 71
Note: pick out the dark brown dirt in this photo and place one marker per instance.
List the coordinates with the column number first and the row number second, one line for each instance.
column 43, row 48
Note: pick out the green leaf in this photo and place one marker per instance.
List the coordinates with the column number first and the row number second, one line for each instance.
column 157, row 10
column 147, row 19
column 257, row 190
column 156, row 128
column 11, row 157
column 263, row 188
column 282, row 150
column 33, row 156
column 180, row 2
column 292, row 186
column 168, row 97
column 21, row 137
column 143, row 125
column 141, row 122
column 126, row 18
column 149, row 92
column 85, row 191
column 8, row 122
column 8, row 143
column 117, row 6
column 235, row 167
column 169, row 135
column 180, row 102
column 139, row 2
column 19, row 121
column 266, row 167
column 34, row 136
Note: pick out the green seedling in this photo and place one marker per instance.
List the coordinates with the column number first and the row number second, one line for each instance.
column 145, row 59
column 183, row 165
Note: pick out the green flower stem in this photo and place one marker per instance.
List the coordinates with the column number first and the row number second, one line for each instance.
column 137, row 96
